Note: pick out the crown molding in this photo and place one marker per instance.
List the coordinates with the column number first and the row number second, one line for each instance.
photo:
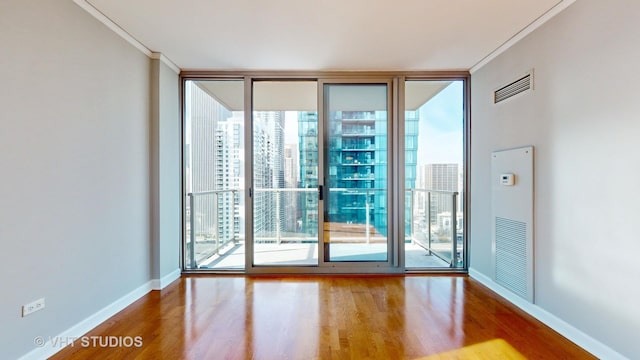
column 166, row 61
column 559, row 7
column 98, row 15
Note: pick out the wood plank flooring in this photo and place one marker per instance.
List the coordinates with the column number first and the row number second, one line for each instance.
column 323, row 317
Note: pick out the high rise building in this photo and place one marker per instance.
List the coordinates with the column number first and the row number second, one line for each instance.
column 228, row 176
column 357, row 164
column 204, row 116
column 357, row 160
column 268, row 173
column 411, row 126
column 291, row 180
column 213, row 164
column 308, row 134
column 442, row 177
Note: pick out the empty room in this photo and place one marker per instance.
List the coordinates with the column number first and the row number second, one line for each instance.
column 319, row 180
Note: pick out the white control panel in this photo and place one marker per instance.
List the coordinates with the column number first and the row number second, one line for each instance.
column 507, row 179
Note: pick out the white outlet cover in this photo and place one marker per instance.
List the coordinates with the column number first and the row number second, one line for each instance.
column 32, row 307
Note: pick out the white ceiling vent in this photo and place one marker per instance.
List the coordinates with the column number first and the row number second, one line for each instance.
column 517, row 87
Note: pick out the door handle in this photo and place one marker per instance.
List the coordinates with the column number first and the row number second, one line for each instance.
column 320, row 192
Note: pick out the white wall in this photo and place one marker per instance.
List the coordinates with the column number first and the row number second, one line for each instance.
column 74, row 165
column 166, row 170
column 583, row 119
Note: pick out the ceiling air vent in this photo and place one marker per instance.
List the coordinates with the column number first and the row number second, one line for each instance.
column 519, row 86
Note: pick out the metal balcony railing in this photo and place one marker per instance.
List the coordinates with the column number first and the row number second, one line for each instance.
column 432, row 220
column 204, row 225
column 434, row 224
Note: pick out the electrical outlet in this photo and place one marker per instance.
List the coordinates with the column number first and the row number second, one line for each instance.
column 32, row 307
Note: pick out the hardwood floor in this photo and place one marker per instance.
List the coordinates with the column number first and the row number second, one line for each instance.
column 323, row 317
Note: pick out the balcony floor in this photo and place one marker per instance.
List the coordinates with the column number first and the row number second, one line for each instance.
column 295, row 254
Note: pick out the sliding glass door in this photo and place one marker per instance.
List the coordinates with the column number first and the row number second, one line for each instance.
column 356, row 166
column 285, row 173
column 335, row 166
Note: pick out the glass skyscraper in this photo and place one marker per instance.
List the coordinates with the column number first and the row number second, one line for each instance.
column 210, row 154
column 411, row 126
column 308, row 134
column 268, row 172
column 357, row 167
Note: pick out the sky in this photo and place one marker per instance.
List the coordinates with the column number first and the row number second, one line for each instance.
column 441, row 127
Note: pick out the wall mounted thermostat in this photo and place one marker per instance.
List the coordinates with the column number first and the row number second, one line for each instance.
column 507, row 179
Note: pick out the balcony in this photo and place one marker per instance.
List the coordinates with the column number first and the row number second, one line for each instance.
column 433, row 238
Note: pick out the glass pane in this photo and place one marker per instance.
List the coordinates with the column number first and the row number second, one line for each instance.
column 214, row 175
column 356, row 173
column 285, row 173
column 434, row 126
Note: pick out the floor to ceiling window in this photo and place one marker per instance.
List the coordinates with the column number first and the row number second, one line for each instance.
column 324, row 174
column 213, row 160
column 434, row 173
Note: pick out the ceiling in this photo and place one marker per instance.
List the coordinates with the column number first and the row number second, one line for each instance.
column 323, row 35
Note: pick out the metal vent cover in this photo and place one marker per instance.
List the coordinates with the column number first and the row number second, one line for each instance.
column 511, row 255
column 512, row 228
column 517, row 87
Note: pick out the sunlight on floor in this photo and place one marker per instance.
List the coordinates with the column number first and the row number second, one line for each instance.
column 489, row 350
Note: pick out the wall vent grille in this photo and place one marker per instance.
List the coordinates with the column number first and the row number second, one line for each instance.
column 512, row 225
column 519, row 86
column 511, row 255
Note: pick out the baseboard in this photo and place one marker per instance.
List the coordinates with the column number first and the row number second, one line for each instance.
column 159, row 284
column 86, row 325
column 581, row 339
